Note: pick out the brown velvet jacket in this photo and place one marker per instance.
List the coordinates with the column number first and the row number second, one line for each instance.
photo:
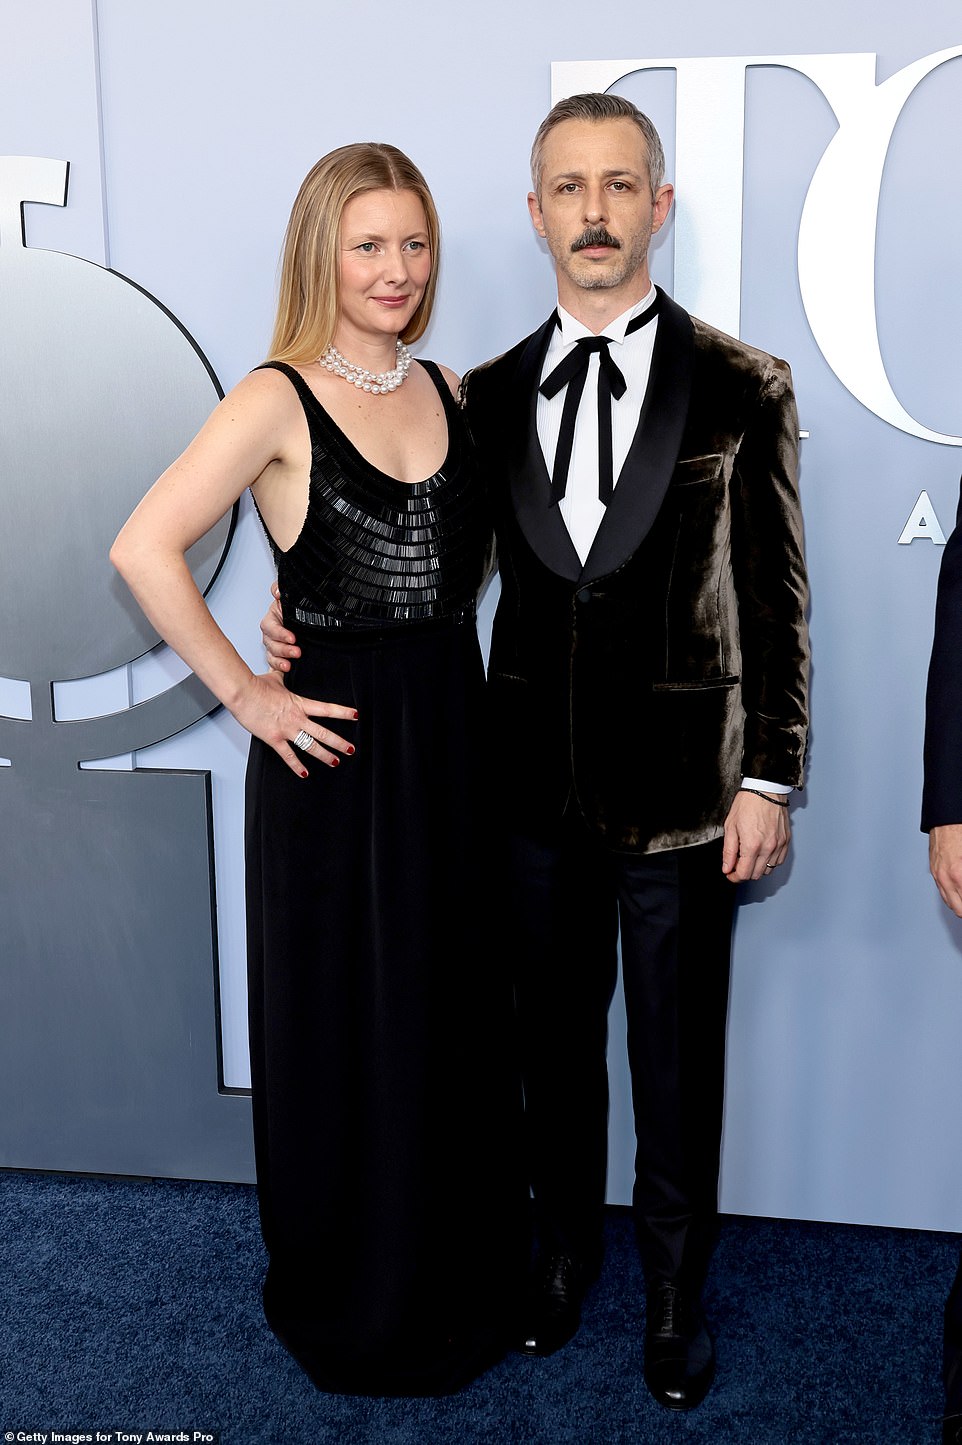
column 646, row 683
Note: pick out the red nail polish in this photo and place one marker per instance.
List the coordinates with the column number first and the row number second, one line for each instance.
column 355, row 715
column 350, row 752
column 335, row 762
column 304, row 774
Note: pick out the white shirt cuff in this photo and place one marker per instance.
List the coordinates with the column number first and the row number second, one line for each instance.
column 764, row 786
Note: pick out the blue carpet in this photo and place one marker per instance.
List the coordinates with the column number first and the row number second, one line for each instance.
column 133, row 1306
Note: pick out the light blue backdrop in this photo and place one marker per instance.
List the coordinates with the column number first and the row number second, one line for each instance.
column 186, row 150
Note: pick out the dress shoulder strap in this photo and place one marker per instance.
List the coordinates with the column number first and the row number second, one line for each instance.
column 308, row 399
column 437, row 376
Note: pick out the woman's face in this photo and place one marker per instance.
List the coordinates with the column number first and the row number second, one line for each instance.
column 385, row 263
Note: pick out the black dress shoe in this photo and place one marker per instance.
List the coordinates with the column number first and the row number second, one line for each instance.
column 553, row 1307
column 952, row 1430
column 679, row 1354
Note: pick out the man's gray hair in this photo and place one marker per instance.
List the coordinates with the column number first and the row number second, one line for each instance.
column 597, row 105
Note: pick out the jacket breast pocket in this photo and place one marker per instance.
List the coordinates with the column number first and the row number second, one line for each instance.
column 690, row 470
column 700, row 684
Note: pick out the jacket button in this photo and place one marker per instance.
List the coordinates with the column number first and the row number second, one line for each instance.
column 584, row 595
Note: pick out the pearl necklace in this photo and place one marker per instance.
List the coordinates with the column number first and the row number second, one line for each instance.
column 376, row 382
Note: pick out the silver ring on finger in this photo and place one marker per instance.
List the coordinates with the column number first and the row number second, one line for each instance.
column 304, row 741
column 769, row 867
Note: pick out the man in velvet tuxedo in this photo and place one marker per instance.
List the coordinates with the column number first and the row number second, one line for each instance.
column 648, row 682
column 648, row 685
column 942, row 820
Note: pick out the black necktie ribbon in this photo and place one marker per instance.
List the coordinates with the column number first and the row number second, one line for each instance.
column 572, row 372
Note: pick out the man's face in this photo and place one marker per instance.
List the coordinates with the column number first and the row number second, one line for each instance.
column 596, row 210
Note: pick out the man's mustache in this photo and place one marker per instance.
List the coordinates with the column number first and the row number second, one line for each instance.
column 595, row 236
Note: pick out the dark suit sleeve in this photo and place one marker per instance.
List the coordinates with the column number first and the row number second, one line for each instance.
column 771, row 584
column 464, row 390
column 942, row 788
column 473, row 401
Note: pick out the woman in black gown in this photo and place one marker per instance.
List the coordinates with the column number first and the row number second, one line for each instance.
column 385, row 1098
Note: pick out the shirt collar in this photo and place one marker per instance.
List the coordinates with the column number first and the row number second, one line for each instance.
column 572, row 330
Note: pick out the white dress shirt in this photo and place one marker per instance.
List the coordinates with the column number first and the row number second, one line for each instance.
column 581, row 510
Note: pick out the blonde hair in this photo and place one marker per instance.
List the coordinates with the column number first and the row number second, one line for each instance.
column 308, row 300
column 598, row 105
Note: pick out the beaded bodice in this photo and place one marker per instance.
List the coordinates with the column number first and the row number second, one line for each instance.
column 374, row 551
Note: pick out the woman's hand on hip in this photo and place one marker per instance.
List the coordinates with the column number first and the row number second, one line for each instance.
column 278, row 717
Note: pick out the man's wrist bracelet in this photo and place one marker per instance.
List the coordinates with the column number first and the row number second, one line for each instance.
column 778, row 802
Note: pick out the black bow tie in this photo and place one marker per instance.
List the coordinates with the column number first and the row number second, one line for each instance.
column 572, row 372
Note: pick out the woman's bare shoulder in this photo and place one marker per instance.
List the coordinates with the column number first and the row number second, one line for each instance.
column 263, row 396
column 265, row 382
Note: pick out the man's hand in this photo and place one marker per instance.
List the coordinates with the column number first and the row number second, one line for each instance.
column 945, row 862
column 279, row 644
column 757, row 835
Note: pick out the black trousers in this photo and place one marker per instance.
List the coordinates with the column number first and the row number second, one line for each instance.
column 952, row 1347
column 567, row 894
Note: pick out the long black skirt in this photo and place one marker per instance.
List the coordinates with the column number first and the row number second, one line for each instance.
column 385, row 1085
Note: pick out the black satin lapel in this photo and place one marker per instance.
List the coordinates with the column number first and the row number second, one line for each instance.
column 540, row 522
column 643, row 480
